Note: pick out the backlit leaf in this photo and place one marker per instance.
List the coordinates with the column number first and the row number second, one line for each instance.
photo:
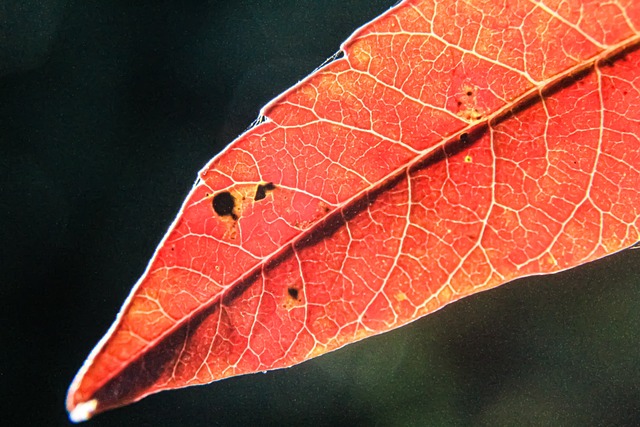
column 453, row 147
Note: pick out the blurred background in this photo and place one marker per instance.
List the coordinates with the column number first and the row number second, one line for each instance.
column 107, row 111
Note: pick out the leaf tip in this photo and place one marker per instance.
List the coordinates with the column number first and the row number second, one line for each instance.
column 83, row 411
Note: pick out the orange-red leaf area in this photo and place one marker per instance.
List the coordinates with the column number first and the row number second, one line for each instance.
column 454, row 147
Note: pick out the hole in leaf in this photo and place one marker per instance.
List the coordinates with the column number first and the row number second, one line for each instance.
column 261, row 190
column 224, row 203
column 293, row 293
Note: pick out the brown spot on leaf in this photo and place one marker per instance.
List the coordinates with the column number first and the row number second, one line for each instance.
column 224, row 204
column 324, row 208
column 262, row 189
column 468, row 105
column 293, row 293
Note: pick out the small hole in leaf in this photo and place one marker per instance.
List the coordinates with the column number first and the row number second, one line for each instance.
column 224, row 203
column 261, row 190
column 293, row 293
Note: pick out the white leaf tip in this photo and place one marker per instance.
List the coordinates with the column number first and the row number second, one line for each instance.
column 83, row 411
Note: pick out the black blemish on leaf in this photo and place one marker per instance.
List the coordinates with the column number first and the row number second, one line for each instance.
column 261, row 190
column 224, row 203
column 469, row 92
column 293, row 293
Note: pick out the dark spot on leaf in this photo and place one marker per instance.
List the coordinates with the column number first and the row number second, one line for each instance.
column 464, row 138
column 260, row 193
column 293, row 293
column 469, row 93
column 224, row 203
column 261, row 190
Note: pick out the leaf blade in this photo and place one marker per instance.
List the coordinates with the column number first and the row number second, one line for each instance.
column 185, row 295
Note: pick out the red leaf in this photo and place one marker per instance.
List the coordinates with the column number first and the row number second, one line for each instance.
column 453, row 148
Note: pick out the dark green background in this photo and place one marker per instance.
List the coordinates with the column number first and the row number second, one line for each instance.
column 107, row 111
